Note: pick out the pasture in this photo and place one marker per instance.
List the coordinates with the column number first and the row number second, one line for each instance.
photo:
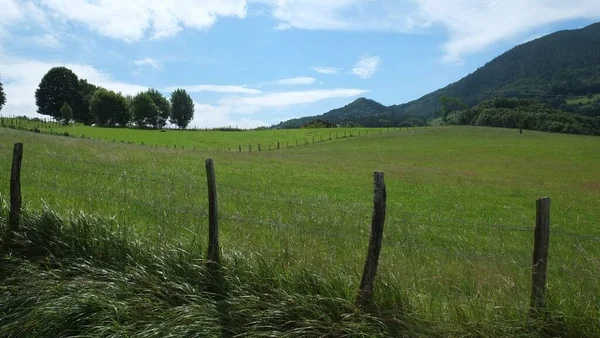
column 583, row 100
column 456, row 257
column 201, row 139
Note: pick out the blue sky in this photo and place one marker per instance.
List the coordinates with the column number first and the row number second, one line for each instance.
column 256, row 62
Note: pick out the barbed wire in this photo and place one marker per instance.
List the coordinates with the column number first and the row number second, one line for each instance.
column 121, row 176
column 453, row 223
column 278, row 225
column 69, row 159
column 297, row 199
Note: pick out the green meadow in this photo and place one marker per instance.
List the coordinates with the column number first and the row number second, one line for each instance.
column 294, row 230
column 583, row 99
column 201, row 139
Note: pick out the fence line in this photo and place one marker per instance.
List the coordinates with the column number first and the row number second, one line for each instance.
column 68, row 159
column 299, row 201
column 376, row 233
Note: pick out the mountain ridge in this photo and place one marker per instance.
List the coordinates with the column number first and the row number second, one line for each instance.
column 564, row 63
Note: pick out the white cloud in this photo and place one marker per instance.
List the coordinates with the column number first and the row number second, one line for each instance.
column 472, row 25
column 206, row 115
column 253, row 104
column 343, row 14
column 129, row 20
column 21, row 78
column 47, row 40
column 326, row 70
column 148, row 62
column 215, row 89
column 300, row 80
column 366, row 66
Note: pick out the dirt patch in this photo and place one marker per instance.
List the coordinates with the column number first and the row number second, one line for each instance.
column 591, row 186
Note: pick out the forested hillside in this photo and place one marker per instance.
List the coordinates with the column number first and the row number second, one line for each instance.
column 550, row 69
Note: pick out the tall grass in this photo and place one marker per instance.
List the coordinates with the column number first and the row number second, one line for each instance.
column 78, row 277
column 457, row 242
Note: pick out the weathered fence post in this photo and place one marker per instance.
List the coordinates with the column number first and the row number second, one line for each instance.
column 213, row 215
column 367, row 283
column 540, row 253
column 277, row 145
column 240, row 146
column 259, row 147
column 15, row 187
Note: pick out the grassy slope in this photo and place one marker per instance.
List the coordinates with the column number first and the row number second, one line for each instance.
column 455, row 198
column 212, row 140
column 583, row 99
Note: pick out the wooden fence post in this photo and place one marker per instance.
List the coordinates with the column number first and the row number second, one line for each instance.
column 540, row 253
column 213, row 215
column 15, row 187
column 277, row 145
column 240, row 148
column 367, row 283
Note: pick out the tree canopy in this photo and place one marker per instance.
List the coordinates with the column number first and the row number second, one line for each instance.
column 109, row 108
column 2, row 96
column 66, row 113
column 144, row 110
column 159, row 120
column 60, row 85
column 182, row 108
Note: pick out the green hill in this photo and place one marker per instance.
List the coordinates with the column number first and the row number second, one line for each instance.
column 557, row 66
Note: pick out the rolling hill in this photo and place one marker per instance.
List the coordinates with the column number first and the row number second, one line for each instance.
column 561, row 64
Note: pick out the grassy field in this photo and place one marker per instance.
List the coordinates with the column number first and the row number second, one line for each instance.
column 583, row 99
column 202, row 139
column 457, row 244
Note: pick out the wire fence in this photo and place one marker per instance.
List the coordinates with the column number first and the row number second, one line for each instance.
column 315, row 228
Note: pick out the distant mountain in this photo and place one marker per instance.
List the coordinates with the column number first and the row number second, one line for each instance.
column 562, row 64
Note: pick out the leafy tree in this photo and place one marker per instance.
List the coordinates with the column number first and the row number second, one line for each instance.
column 109, row 108
column 164, row 109
column 66, row 113
column 87, row 91
column 60, row 85
column 182, row 108
column 144, row 110
column 123, row 110
column 451, row 105
column 2, row 96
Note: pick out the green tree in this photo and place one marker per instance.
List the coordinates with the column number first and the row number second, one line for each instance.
column 164, row 109
column 451, row 105
column 60, row 85
column 87, row 91
column 66, row 113
column 144, row 110
column 182, row 108
column 109, row 108
column 2, row 96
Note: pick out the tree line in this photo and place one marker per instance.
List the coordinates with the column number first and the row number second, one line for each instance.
column 65, row 97
column 518, row 113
